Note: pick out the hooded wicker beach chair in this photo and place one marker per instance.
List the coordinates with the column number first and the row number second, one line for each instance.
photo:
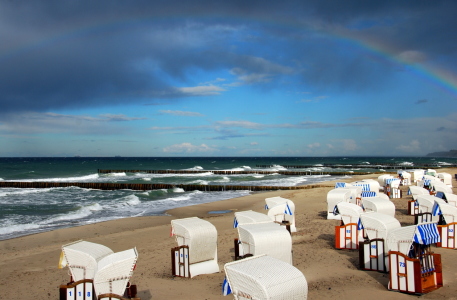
column 347, row 235
column 447, row 223
column 281, row 210
column 264, row 277
column 266, row 238
column 413, row 267
column 373, row 251
column 197, row 247
column 424, row 207
column 334, row 197
column 113, row 274
column 446, row 178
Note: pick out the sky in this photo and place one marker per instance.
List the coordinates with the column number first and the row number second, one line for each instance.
column 227, row 78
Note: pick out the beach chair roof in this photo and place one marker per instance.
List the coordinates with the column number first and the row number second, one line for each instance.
column 266, row 238
column 450, row 198
column 273, row 201
column 365, row 185
column 378, row 225
column 250, row 217
column 380, row 205
column 199, row 235
column 439, row 186
column 264, row 277
column 114, row 272
column 283, row 212
column 401, row 239
column 82, row 258
column 404, row 174
column 382, row 178
column 426, row 202
column 350, row 213
column 449, row 212
column 356, row 191
column 417, row 190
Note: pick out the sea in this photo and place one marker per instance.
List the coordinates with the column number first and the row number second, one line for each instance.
column 25, row 211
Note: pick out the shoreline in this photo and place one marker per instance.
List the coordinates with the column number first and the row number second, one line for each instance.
column 29, row 263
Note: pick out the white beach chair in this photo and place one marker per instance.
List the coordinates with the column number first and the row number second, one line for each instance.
column 380, row 205
column 197, row 247
column 347, row 235
column 447, row 223
column 373, row 251
column 334, row 197
column 267, row 278
column 424, row 207
column 266, row 238
column 413, row 267
column 281, row 210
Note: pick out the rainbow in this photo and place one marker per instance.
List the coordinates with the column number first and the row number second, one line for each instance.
column 438, row 76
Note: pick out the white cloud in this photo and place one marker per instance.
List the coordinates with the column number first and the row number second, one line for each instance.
column 254, row 143
column 412, row 56
column 181, row 113
column 189, row 148
column 314, row 145
column 413, row 146
column 203, row 90
column 243, row 124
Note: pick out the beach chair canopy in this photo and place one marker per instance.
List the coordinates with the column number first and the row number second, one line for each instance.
column 404, row 174
column 199, row 235
column 350, row 213
column 449, row 212
column 446, row 178
column 393, row 182
column 264, row 277
column 417, row 174
column 401, row 239
column 356, row 192
column 438, row 186
column 273, row 201
column 426, row 202
column 378, row 225
column 250, row 217
column 379, row 205
column 266, row 238
column 82, row 258
column 341, row 185
column 369, row 194
column 368, row 185
column 365, row 185
column 417, row 190
column 114, row 272
column 431, row 172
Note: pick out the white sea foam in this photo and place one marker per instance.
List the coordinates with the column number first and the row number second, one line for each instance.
column 78, row 214
column 12, row 192
column 443, row 163
column 4, row 230
column 196, row 168
column 132, row 200
column 199, row 182
column 406, row 163
column 258, row 176
column 178, row 190
column 63, row 179
column 147, row 179
column 117, row 174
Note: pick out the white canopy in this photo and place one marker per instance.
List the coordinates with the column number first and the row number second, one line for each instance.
column 350, row 213
column 281, row 209
column 250, row 217
column 438, row 186
column 446, row 178
column 378, row 225
column 266, row 238
column 401, row 239
column 380, row 205
column 82, row 258
column 449, row 212
column 417, row 190
column 264, row 277
column 114, row 272
column 449, row 197
column 382, row 179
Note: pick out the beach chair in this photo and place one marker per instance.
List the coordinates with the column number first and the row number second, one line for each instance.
column 334, row 197
column 446, row 178
column 373, row 250
column 264, row 277
column 266, row 238
column 82, row 259
column 450, row 198
column 447, row 223
column 413, row 267
column 282, row 211
column 424, row 204
column 113, row 274
column 347, row 235
column 197, row 247
column 247, row 217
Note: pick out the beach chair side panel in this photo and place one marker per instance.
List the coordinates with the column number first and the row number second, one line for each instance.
column 447, row 234
column 372, row 255
column 404, row 273
column 180, row 261
column 346, row 236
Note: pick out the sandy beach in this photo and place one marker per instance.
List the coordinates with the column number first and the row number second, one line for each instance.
column 28, row 265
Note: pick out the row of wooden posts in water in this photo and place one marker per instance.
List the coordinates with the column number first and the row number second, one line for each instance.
column 149, row 186
column 365, row 166
column 224, row 172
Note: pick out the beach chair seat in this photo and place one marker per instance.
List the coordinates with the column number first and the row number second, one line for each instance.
column 264, row 277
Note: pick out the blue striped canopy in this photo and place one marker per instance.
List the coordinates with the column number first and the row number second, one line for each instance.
column 427, row 234
column 369, row 194
column 287, row 210
column 340, row 185
column 436, row 211
column 389, row 180
column 440, row 195
column 427, row 182
column 359, row 224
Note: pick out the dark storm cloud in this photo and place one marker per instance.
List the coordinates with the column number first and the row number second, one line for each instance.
column 59, row 54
